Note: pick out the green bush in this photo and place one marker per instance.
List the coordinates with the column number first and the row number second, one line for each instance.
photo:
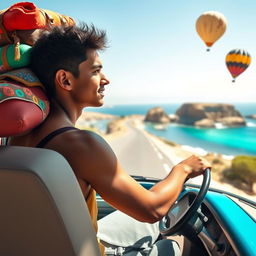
column 243, row 168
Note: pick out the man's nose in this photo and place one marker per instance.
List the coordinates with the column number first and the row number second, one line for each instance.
column 104, row 80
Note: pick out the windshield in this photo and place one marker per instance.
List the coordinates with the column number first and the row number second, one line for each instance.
column 169, row 97
column 176, row 87
column 150, row 149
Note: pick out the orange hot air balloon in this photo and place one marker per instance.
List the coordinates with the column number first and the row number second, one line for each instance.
column 210, row 26
column 237, row 62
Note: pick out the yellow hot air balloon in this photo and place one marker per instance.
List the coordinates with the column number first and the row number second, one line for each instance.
column 210, row 26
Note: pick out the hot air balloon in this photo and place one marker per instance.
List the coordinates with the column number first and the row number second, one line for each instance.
column 210, row 26
column 237, row 62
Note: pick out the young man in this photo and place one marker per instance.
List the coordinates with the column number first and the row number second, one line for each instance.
column 67, row 63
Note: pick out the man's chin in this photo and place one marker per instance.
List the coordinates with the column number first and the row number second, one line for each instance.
column 101, row 103
column 98, row 104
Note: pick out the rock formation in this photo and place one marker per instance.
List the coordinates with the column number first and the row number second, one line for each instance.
column 116, row 125
column 209, row 114
column 112, row 127
column 253, row 116
column 157, row 115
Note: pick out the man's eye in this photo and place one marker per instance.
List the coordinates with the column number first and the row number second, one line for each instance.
column 96, row 71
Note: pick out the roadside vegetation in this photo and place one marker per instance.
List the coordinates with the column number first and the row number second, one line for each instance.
column 239, row 172
column 242, row 173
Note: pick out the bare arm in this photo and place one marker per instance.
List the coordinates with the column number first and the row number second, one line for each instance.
column 93, row 160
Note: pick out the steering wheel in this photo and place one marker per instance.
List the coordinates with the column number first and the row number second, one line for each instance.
column 182, row 211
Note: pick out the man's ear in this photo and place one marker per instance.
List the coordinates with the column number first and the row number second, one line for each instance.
column 63, row 79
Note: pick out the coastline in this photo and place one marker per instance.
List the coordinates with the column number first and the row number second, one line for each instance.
column 229, row 140
column 175, row 152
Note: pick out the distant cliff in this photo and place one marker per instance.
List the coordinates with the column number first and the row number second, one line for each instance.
column 209, row 115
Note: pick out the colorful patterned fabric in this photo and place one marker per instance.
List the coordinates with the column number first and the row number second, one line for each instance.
column 22, row 75
column 10, row 90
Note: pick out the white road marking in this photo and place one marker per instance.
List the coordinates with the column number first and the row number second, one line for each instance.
column 166, row 167
column 159, row 155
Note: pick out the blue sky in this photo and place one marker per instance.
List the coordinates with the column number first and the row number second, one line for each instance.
column 155, row 54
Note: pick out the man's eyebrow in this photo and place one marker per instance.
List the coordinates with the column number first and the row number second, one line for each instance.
column 97, row 66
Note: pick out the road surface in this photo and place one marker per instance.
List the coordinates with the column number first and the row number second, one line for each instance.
column 139, row 155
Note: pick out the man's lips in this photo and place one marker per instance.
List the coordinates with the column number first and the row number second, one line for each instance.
column 101, row 91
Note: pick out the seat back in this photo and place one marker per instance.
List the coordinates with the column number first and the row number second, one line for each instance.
column 42, row 209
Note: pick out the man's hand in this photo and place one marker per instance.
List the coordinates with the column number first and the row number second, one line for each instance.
column 194, row 166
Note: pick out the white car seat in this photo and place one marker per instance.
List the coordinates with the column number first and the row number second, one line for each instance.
column 42, row 209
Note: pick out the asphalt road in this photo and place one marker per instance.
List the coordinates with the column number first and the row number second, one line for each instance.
column 139, row 155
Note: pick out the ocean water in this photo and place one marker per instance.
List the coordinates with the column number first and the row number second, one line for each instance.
column 228, row 141
column 140, row 109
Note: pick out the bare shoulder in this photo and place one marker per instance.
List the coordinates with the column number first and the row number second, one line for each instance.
column 79, row 141
column 85, row 140
column 87, row 152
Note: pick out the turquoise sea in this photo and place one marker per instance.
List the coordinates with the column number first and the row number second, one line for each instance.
column 228, row 141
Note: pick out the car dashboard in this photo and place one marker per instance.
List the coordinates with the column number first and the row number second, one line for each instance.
column 227, row 229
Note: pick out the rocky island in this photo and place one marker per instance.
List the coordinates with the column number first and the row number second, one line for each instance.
column 157, row 115
column 205, row 115
column 253, row 116
column 209, row 115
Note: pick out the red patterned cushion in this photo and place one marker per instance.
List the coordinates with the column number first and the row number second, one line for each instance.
column 22, row 108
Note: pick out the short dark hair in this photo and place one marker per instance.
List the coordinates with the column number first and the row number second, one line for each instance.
column 63, row 48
